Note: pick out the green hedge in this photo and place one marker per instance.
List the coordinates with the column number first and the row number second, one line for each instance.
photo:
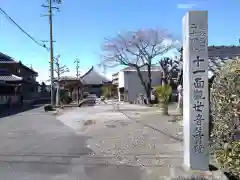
column 225, row 109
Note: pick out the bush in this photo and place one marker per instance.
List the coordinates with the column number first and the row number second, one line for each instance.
column 163, row 93
column 109, row 91
column 48, row 107
column 225, row 113
column 66, row 99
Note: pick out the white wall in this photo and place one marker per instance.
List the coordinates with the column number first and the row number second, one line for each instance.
column 133, row 83
column 121, row 79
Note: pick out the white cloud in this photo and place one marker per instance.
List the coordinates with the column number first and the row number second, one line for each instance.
column 108, row 75
column 185, row 6
column 43, row 75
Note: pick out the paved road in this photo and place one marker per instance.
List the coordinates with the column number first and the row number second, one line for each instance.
column 37, row 146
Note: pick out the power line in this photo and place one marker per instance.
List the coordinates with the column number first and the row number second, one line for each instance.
column 16, row 24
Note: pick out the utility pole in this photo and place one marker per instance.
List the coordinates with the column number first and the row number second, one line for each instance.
column 60, row 69
column 77, row 62
column 50, row 7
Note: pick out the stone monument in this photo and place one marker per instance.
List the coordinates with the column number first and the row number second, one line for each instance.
column 195, row 90
column 180, row 99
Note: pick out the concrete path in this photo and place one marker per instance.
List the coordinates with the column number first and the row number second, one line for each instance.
column 134, row 136
column 117, row 141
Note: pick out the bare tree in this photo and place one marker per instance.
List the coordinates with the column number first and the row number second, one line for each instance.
column 180, row 74
column 180, row 82
column 60, row 69
column 170, row 67
column 135, row 49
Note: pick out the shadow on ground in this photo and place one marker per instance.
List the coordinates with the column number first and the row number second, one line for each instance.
column 19, row 109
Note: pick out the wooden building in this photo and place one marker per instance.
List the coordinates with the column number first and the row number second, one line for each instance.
column 93, row 81
column 72, row 86
column 15, row 72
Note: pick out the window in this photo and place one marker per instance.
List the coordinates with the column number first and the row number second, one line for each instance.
column 18, row 70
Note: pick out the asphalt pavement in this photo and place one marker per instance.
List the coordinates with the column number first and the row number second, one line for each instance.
column 37, row 146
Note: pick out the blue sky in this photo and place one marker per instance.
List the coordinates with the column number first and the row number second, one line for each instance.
column 81, row 26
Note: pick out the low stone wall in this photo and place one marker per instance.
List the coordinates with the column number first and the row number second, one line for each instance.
column 5, row 99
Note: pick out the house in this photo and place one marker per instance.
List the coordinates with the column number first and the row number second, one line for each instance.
column 9, row 86
column 15, row 73
column 129, row 84
column 93, row 81
column 115, row 79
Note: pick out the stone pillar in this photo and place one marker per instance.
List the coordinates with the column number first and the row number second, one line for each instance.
column 57, row 94
column 195, row 90
column 180, row 99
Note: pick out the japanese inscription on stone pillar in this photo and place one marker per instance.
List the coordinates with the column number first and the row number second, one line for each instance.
column 198, row 43
column 196, row 83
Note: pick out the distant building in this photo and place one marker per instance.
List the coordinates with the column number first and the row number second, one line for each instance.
column 12, row 71
column 16, row 80
column 223, row 51
column 93, row 81
column 73, row 86
column 115, row 78
column 129, row 83
column 219, row 55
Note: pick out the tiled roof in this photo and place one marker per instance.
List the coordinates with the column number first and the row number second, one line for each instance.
column 223, row 51
column 7, row 62
column 5, row 59
column 219, row 55
column 93, row 77
column 10, row 78
column 69, row 78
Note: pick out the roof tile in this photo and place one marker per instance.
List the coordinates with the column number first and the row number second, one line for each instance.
column 10, row 78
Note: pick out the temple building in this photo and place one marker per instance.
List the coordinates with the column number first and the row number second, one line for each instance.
column 73, row 86
column 93, row 81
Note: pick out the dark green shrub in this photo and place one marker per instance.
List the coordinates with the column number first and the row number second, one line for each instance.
column 48, row 107
column 66, row 99
column 225, row 112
